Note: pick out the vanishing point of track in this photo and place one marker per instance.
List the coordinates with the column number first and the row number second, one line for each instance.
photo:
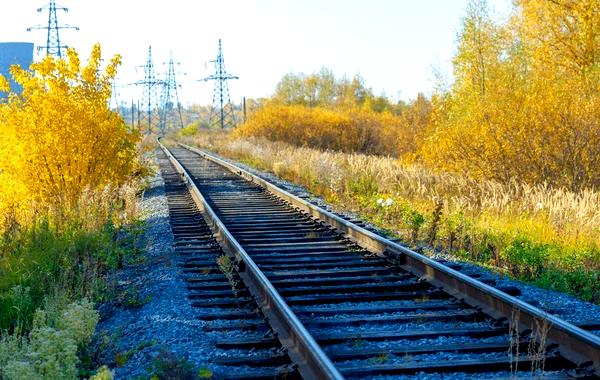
column 345, row 302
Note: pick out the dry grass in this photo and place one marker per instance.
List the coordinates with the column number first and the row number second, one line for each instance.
column 574, row 216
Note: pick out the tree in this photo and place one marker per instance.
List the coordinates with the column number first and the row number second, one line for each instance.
column 323, row 89
column 525, row 103
column 60, row 137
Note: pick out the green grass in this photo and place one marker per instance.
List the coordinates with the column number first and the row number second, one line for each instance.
column 38, row 259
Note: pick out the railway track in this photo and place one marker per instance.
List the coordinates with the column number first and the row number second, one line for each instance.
column 218, row 295
column 345, row 302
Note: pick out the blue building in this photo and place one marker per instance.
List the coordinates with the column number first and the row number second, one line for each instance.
column 14, row 53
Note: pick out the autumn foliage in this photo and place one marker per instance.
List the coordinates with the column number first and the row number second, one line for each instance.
column 351, row 130
column 59, row 137
column 322, row 111
column 523, row 103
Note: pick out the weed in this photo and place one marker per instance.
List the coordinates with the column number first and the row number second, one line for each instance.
column 435, row 221
column 415, row 222
column 380, row 359
column 514, row 340
column 279, row 168
column 103, row 373
column 537, row 346
column 364, row 186
column 525, row 258
column 122, row 358
column 227, row 266
column 131, row 298
column 205, row 373
column 167, row 366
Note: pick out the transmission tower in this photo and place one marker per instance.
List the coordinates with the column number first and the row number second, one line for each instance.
column 221, row 112
column 53, row 45
column 113, row 102
column 171, row 108
column 150, row 111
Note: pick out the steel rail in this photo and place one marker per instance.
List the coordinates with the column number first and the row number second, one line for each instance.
column 575, row 344
column 302, row 348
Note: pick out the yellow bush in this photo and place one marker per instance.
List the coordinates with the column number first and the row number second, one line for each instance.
column 351, row 130
column 60, row 137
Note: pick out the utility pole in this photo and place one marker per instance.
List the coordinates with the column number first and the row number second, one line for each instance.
column 244, row 108
column 151, row 117
column 221, row 112
column 170, row 99
column 53, row 45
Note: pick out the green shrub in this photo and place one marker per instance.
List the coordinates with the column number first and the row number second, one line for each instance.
column 79, row 320
column 365, row 186
column 17, row 370
column 583, row 282
column 167, row 366
column 189, row 130
column 415, row 221
column 53, row 353
column 103, row 373
column 50, row 351
column 524, row 258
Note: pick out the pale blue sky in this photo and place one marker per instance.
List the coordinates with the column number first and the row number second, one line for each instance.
column 392, row 44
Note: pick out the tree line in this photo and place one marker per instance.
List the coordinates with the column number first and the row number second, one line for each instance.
column 524, row 103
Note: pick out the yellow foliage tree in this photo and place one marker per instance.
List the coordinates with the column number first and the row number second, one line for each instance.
column 526, row 99
column 59, row 136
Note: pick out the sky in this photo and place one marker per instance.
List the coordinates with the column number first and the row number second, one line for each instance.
column 393, row 44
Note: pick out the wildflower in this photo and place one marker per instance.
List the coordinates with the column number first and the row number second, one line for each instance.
column 389, row 202
column 539, row 206
column 380, row 202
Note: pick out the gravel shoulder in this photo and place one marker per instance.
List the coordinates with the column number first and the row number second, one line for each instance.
column 151, row 314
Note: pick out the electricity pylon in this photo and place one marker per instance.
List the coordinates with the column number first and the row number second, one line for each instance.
column 171, row 108
column 113, row 102
column 53, row 45
column 150, row 114
column 221, row 112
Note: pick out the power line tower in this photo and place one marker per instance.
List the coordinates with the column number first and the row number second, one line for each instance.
column 53, row 45
column 221, row 112
column 150, row 115
column 171, row 108
column 113, row 102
